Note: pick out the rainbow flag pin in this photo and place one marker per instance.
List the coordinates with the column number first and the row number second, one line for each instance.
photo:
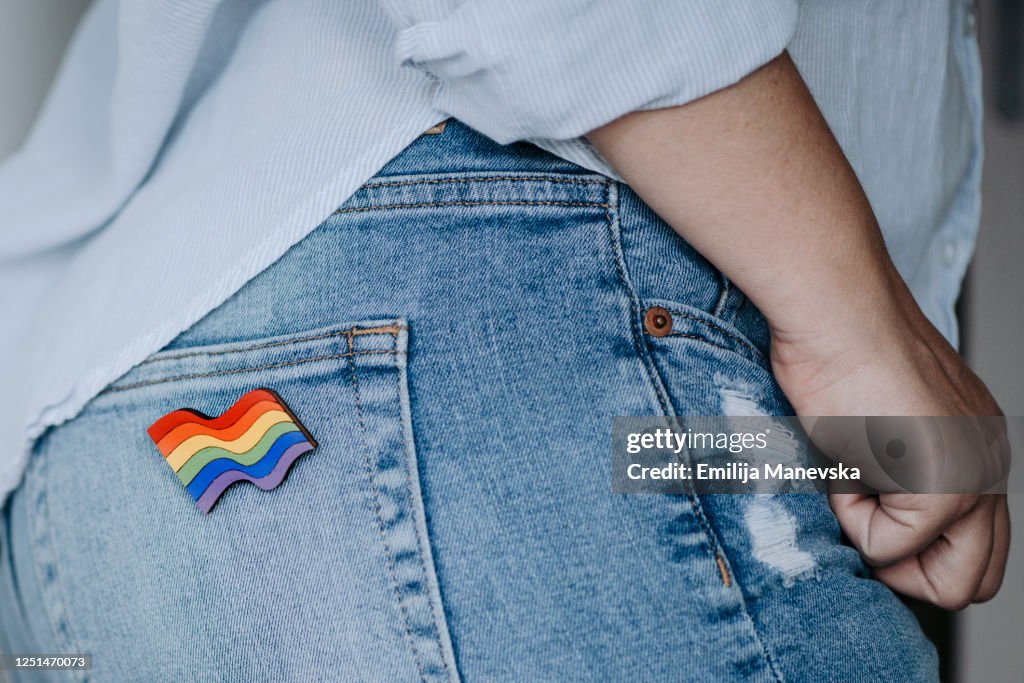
column 256, row 440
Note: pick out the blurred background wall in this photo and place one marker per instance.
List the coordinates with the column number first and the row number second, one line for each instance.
column 988, row 640
column 990, row 637
column 33, row 34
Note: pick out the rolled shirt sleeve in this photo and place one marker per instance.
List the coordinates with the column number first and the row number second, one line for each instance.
column 556, row 69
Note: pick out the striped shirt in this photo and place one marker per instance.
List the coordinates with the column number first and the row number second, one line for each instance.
column 187, row 144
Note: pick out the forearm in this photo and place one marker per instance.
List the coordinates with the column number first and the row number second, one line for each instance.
column 752, row 177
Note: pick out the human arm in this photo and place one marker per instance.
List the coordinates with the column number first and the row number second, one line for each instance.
column 752, row 177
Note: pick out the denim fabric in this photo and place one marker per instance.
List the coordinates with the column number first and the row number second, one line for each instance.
column 457, row 337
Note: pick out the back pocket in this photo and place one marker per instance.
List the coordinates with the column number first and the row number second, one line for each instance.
column 328, row 572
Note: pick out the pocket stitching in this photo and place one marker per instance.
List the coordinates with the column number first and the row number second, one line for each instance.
column 233, row 371
column 55, row 600
column 489, row 178
column 409, row 451
column 420, row 205
column 713, row 326
column 390, row 329
column 732, row 335
column 378, row 512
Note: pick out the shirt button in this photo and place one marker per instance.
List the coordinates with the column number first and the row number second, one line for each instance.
column 949, row 253
column 658, row 322
column 969, row 19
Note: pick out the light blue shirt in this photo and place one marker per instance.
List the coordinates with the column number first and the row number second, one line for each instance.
column 187, row 144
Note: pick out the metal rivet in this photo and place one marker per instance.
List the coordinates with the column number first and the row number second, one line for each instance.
column 658, row 321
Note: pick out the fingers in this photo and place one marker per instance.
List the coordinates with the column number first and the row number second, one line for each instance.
column 948, row 550
column 905, row 525
column 950, row 571
column 993, row 578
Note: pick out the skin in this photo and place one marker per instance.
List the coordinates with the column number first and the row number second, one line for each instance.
column 753, row 178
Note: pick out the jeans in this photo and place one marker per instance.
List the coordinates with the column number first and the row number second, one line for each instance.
column 456, row 337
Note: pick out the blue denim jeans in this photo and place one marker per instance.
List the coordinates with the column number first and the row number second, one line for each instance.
column 456, row 337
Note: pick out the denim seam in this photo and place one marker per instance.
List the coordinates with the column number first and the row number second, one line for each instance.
column 634, row 306
column 7, row 550
column 769, row 656
column 486, row 179
column 410, row 455
column 736, row 338
column 233, row 371
column 41, row 500
column 723, row 297
column 378, row 514
column 739, row 308
column 393, row 330
column 730, row 302
column 699, row 338
column 717, row 549
column 467, row 203
column 647, row 360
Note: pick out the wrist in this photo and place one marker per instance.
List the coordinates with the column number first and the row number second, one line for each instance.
column 849, row 328
column 843, row 305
